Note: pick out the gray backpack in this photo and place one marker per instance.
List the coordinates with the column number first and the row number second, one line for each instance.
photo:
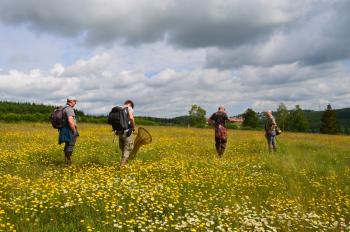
column 58, row 117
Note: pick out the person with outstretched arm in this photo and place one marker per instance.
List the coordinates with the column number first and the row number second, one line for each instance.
column 218, row 119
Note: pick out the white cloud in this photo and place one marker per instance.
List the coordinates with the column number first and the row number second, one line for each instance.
column 318, row 36
column 167, row 54
column 57, row 70
column 234, row 33
column 91, row 67
column 171, row 92
column 137, row 22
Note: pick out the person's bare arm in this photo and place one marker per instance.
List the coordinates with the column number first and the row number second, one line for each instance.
column 132, row 120
column 234, row 119
column 71, row 123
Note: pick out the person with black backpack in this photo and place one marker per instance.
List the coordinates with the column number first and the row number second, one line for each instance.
column 123, row 124
column 68, row 132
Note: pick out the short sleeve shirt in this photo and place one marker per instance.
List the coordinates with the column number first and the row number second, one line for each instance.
column 219, row 118
column 70, row 112
column 130, row 109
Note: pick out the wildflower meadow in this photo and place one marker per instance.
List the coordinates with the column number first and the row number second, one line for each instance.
column 177, row 183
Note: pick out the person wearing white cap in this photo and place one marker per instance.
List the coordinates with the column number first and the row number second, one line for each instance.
column 69, row 133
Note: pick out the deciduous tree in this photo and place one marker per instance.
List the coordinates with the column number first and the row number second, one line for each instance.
column 282, row 116
column 297, row 120
column 197, row 116
column 251, row 118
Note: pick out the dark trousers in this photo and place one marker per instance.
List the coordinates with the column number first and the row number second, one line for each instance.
column 69, row 146
column 220, row 145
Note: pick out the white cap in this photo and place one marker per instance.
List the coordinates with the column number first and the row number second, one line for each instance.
column 71, row 98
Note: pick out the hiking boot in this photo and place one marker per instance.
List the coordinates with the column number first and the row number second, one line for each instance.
column 67, row 156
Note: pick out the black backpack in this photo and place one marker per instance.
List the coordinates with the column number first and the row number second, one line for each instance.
column 118, row 118
column 58, row 117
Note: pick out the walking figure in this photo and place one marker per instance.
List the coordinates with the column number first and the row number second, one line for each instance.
column 218, row 119
column 270, row 131
column 123, row 124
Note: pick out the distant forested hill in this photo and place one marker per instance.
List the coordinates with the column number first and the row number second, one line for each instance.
column 32, row 112
column 343, row 116
column 24, row 108
column 314, row 118
column 16, row 112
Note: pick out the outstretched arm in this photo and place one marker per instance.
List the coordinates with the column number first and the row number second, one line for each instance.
column 234, row 119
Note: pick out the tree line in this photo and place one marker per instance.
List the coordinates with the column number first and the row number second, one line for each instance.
column 33, row 112
column 295, row 120
column 329, row 121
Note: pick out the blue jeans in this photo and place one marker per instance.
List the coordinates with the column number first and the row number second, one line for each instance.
column 271, row 141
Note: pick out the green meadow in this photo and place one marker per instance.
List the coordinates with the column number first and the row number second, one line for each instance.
column 177, row 183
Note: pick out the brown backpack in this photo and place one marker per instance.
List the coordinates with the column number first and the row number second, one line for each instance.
column 221, row 132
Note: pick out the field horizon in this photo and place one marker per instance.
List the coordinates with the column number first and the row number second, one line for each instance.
column 177, row 183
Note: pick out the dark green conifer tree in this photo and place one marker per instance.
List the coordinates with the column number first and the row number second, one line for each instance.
column 329, row 121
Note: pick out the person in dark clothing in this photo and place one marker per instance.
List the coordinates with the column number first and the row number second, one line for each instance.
column 218, row 119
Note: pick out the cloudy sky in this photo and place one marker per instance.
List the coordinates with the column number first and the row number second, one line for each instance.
column 169, row 54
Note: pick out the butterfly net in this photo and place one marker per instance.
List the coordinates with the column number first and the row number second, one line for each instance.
column 143, row 137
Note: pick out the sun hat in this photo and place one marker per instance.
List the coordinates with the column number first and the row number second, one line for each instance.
column 71, row 98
